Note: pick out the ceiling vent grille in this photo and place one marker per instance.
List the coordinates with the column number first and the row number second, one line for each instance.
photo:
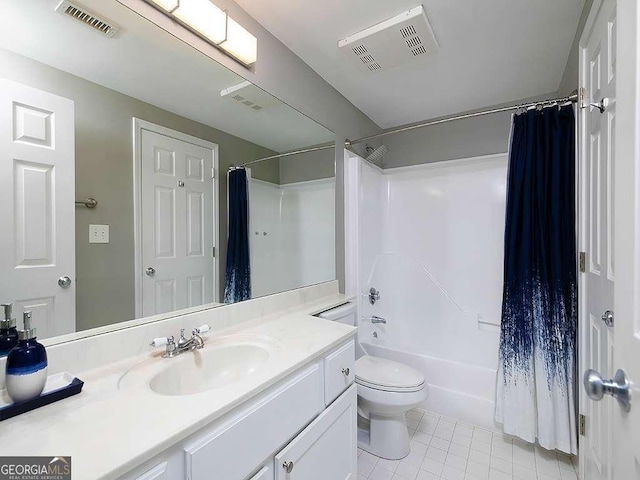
column 88, row 18
column 246, row 94
column 394, row 42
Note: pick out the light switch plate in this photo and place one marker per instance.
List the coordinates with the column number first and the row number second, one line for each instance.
column 98, row 233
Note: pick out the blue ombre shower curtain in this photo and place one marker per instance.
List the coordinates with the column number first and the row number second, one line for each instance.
column 535, row 384
column 238, row 273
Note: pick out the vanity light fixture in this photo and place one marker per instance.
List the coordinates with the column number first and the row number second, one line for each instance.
column 213, row 25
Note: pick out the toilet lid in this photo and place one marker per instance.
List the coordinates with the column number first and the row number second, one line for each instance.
column 388, row 375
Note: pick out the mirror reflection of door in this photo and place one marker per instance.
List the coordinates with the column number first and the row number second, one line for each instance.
column 37, row 247
column 177, row 222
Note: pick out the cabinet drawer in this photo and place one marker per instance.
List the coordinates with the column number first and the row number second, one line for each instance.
column 265, row 473
column 236, row 448
column 339, row 371
column 159, row 472
column 326, row 449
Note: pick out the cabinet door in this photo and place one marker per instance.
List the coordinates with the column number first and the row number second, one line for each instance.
column 326, row 449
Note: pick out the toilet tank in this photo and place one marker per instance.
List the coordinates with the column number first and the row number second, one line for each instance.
column 344, row 314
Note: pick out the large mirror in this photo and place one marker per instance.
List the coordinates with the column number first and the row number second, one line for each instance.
column 114, row 173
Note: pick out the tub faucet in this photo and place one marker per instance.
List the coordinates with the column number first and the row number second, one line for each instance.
column 375, row 319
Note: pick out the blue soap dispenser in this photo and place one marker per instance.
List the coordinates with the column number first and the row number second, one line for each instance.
column 26, row 371
column 8, row 331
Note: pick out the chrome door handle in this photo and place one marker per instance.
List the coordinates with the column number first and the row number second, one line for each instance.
column 346, row 372
column 288, row 466
column 150, row 271
column 64, row 282
column 607, row 318
column 601, row 105
column 618, row 387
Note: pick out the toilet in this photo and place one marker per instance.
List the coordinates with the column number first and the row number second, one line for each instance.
column 387, row 390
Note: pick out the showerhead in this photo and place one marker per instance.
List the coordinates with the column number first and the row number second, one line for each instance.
column 377, row 154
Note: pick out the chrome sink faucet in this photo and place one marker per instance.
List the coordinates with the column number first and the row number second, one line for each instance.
column 184, row 344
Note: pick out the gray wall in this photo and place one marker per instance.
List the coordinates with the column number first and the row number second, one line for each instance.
column 308, row 166
column 484, row 135
column 104, row 170
column 465, row 138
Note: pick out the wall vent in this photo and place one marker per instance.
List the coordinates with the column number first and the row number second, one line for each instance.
column 246, row 94
column 395, row 41
column 88, row 18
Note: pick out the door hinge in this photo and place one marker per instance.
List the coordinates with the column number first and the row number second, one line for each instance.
column 582, row 425
column 213, row 252
column 213, row 172
column 582, row 96
column 582, row 262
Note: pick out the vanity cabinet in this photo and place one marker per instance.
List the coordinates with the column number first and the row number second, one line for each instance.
column 302, row 428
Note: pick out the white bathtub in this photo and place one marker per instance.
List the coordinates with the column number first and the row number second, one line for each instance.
column 458, row 390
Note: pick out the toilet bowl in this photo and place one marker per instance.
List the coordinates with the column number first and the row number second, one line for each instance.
column 386, row 391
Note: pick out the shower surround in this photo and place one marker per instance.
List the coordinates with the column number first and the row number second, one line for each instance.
column 291, row 234
column 430, row 239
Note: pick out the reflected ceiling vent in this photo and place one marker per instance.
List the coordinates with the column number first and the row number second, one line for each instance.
column 88, row 18
column 248, row 95
column 401, row 39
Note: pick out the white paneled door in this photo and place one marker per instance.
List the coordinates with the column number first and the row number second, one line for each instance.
column 598, row 78
column 37, row 188
column 177, row 243
column 610, row 220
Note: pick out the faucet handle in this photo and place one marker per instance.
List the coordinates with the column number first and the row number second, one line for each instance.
column 160, row 341
column 201, row 329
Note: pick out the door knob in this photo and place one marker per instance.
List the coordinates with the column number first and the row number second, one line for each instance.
column 288, row 466
column 150, row 271
column 618, row 387
column 64, row 282
column 607, row 318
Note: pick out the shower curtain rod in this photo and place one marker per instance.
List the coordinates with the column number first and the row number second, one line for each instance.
column 286, row 154
column 572, row 98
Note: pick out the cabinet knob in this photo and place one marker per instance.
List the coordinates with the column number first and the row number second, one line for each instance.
column 288, row 466
column 346, row 371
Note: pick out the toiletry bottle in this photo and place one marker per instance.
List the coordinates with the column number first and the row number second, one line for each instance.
column 26, row 365
column 8, row 331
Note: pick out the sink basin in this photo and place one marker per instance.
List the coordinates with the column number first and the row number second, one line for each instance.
column 220, row 364
column 202, row 370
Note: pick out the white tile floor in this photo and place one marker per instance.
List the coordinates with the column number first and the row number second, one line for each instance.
column 443, row 448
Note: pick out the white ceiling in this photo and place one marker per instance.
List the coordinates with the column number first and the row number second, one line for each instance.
column 145, row 62
column 491, row 51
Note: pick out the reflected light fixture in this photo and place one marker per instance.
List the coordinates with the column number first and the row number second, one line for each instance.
column 213, row 25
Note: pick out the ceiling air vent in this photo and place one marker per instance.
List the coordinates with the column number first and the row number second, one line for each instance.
column 246, row 94
column 88, row 18
column 395, row 41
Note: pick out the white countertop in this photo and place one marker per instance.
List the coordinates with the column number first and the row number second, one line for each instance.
column 108, row 431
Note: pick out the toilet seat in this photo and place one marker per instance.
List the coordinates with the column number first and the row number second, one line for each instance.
column 387, row 375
